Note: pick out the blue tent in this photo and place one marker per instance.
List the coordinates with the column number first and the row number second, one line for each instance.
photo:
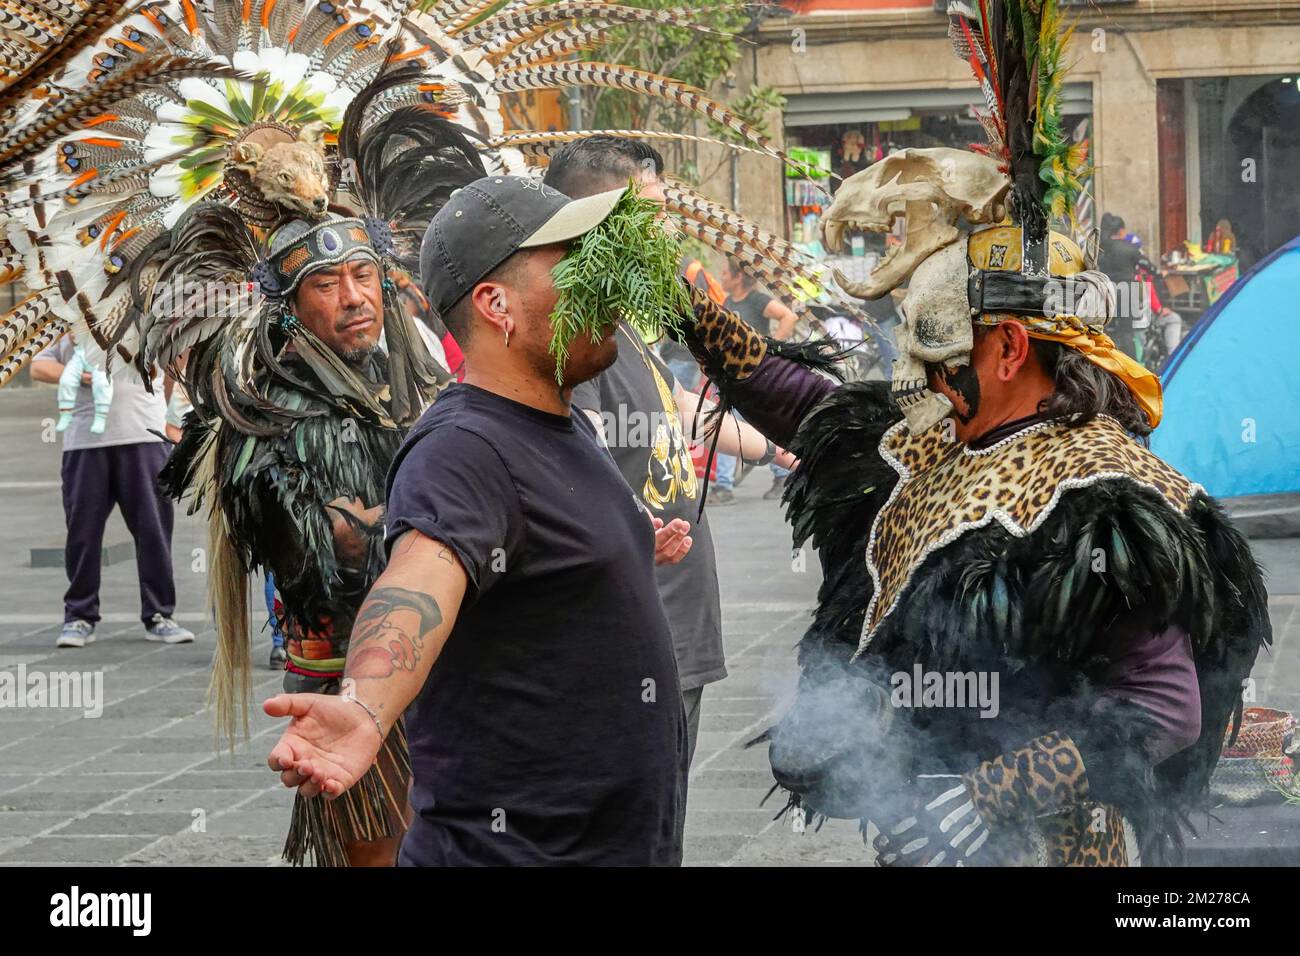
column 1232, row 387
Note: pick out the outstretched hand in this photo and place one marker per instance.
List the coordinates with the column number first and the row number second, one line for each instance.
column 328, row 746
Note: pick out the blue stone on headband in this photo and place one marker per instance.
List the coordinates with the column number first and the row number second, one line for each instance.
column 318, row 246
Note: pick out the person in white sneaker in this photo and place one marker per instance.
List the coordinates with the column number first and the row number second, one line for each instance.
column 116, row 467
column 163, row 629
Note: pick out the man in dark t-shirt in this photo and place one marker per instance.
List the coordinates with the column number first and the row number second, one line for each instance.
column 552, row 702
column 633, row 403
column 518, row 616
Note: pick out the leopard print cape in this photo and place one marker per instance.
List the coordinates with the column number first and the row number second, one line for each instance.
column 946, row 489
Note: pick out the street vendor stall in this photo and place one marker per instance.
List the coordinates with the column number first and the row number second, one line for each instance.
column 1197, row 279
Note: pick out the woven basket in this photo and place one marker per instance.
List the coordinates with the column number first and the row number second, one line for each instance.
column 1264, row 733
column 1242, row 780
column 1256, row 765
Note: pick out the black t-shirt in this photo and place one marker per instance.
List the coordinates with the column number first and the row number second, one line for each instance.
column 634, row 398
column 550, row 728
column 751, row 309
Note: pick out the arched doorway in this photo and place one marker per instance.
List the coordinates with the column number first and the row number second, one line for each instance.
column 1262, row 199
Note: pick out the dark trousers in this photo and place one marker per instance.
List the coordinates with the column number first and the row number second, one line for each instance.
column 691, row 702
column 94, row 480
column 691, row 715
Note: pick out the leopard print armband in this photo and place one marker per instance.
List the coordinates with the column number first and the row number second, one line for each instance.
column 1044, row 776
column 721, row 341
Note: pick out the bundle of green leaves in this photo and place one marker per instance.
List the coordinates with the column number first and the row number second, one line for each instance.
column 626, row 268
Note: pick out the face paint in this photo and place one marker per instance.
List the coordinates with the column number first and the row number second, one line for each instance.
column 963, row 381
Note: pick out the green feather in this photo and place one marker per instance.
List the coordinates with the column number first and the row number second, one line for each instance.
column 245, row 455
column 1045, row 47
column 259, row 98
column 1064, row 596
column 210, row 115
column 1121, row 564
column 1016, row 626
column 1001, row 602
column 202, row 158
column 239, row 107
column 1126, row 569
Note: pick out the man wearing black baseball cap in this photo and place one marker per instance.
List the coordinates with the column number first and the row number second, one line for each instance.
column 550, row 728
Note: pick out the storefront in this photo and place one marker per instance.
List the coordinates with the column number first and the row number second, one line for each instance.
column 841, row 134
column 1192, row 108
column 1229, row 162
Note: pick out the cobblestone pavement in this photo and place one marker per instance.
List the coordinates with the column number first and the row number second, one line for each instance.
column 143, row 783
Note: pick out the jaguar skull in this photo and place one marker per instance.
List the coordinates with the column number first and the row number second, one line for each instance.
column 933, row 190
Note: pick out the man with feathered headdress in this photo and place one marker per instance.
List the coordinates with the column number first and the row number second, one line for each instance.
column 303, row 390
column 297, row 423
column 1046, row 643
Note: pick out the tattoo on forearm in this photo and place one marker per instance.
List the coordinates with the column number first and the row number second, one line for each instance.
column 390, row 632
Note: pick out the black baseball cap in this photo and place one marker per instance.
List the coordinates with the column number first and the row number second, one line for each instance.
column 485, row 223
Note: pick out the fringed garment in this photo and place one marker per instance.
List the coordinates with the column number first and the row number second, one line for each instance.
column 370, row 810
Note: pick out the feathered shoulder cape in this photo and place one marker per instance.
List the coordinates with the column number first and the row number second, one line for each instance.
column 273, row 489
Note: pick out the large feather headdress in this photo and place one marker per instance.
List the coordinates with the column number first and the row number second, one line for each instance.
column 130, row 115
column 1015, row 49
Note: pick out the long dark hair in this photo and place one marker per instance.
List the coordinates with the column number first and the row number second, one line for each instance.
column 1084, row 390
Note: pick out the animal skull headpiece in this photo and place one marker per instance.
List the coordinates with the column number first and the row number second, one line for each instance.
column 934, row 191
column 957, row 277
column 978, row 247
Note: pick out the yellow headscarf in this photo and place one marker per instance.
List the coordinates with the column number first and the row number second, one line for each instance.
column 998, row 249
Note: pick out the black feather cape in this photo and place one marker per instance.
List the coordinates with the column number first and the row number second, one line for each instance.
column 274, row 488
column 992, row 601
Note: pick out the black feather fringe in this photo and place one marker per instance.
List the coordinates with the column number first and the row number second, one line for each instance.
column 1035, row 609
column 407, row 165
column 832, row 499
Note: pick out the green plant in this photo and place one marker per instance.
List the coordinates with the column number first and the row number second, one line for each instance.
column 625, row 268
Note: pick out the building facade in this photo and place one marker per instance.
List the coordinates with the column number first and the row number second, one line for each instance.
column 1192, row 108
